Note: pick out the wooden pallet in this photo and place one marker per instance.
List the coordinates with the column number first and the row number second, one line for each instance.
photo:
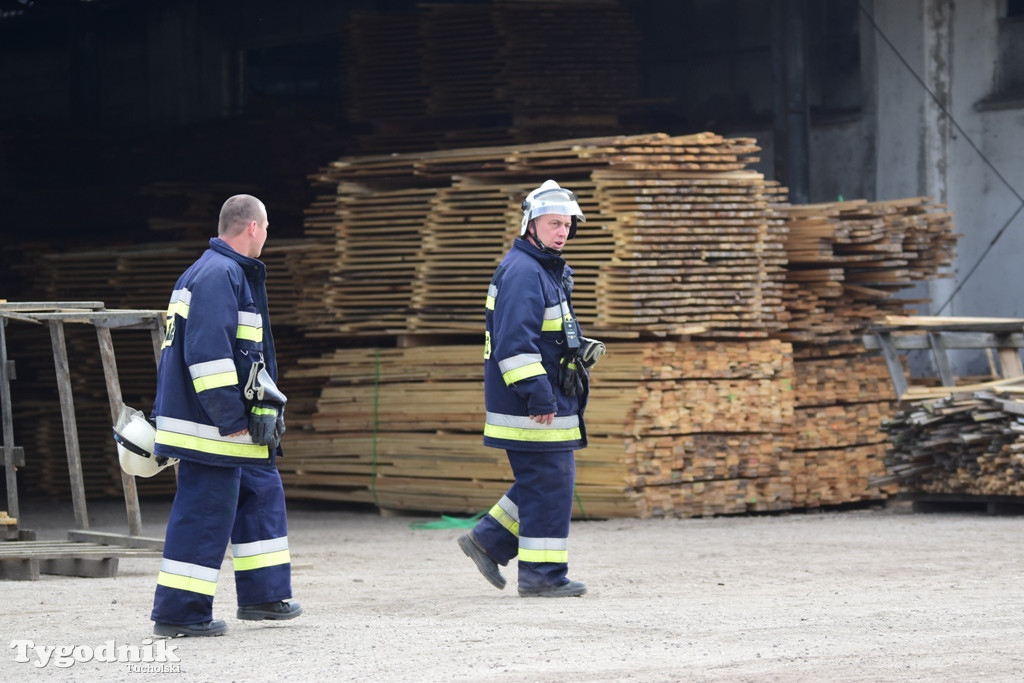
column 26, row 560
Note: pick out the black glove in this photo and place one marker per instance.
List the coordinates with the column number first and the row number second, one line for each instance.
column 266, row 423
column 591, row 351
column 572, row 376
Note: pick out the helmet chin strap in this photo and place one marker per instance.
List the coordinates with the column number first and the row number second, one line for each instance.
column 531, row 230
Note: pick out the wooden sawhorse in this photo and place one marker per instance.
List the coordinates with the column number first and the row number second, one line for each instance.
column 87, row 552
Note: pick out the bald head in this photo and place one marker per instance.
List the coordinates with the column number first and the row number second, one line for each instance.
column 243, row 224
column 238, row 212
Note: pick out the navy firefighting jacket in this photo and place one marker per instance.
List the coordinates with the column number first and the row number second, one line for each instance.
column 217, row 327
column 527, row 305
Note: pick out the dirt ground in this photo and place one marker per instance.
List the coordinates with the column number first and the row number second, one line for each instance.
column 884, row 594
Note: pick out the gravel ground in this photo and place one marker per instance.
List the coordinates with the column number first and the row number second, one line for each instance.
column 865, row 595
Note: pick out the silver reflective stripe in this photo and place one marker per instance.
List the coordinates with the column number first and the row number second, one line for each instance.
column 510, row 508
column 528, row 543
column 271, row 545
column 179, row 304
column 194, row 571
column 524, row 421
column 173, row 424
column 556, row 312
column 250, row 319
column 212, row 367
column 519, row 361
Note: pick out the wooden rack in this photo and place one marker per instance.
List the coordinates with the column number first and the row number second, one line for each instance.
column 1004, row 336
column 87, row 552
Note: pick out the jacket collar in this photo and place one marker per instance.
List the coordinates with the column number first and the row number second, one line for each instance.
column 552, row 262
column 222, row 247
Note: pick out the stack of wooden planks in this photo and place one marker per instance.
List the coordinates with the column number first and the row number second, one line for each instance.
column 841, row 402
column 678, row 233
column 681, row 429
column 964, row 443
column 848, row 260
column 442, row 76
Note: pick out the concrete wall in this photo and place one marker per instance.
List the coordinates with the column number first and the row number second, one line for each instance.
column 968, row 156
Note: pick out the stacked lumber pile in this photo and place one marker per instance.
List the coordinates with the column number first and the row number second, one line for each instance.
column 684, row 429
column 679, row 233
column 451, row 75
column 955, row 433
column 848, row 260
column 682, row 239
column 965, row 443
column 841, row 402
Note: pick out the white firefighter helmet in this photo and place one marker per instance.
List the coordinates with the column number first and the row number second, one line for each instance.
column 135, row 438
column 550, row 198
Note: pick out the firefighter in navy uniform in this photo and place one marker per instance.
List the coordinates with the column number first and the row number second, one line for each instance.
column 535, row 391
column 229, row 489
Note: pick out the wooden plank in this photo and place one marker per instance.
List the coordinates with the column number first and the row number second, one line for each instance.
column 941, row 358
column 892, row 361
column 131, row 496
column 87, row 567
column 67, row 405
column 19, row 569
column 11, row 460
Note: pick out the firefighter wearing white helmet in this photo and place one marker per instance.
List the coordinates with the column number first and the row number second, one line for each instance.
column 535, row 392
column 549, row 198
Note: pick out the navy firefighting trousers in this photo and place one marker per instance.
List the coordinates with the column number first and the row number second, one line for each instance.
column 212, row 506
column 531, row 521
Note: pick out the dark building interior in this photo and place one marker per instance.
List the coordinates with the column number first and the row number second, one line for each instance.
column 123, row 121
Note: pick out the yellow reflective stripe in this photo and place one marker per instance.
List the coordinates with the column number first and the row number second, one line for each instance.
column 262, row 560
column 249, row 333
column 188, row 577
column 552, row 319
column 174, row 431
column 223, row 379
column 543, row 549
column 526, row 555
column 540, row 436
column 256, row 410
column 213, row 373
column 503, row 518
column 524, row 372
column 250, row 326
column 180, row 301
column 186, row 583
column 212, row 446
